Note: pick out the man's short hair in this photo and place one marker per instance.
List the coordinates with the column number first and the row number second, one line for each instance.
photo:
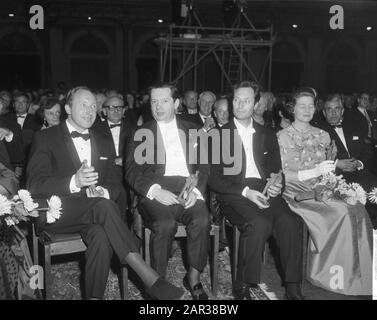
column 217, row 103
column 249, row 84
column 71, row 93
column 334, row 97
column 207, row 92
column 161, row 85
column 21, row 94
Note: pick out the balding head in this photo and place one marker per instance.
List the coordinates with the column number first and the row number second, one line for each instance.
column 113, row 108
column 206, row 101
column 221, row 111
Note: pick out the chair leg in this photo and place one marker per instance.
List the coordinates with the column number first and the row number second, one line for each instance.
column 215, row 262
column 35, row 247
column 123, row 282
column 305, row 243
column 47, row 272
column 147, row 240
column 236, row 244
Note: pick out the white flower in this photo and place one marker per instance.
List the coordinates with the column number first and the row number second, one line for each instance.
column 5, row 205
column 372, row 196
column 55, row 203
column 9, row 221
column 26, row 198
column 55, row 206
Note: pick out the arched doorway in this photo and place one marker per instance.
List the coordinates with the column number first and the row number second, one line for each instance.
column 20, row 63
column 287, row 67
column 341, row 68
column 89, row 62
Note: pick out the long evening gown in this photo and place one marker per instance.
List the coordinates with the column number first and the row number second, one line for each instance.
column 340, row 245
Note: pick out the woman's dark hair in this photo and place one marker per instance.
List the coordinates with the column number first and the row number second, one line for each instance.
column 47, row 103
column 286, row 112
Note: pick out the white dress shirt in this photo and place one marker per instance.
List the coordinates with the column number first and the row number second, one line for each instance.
column 175, row 163
column 340, row 133
column 21, row 119
column 84, row 151
column 115, row 132
column 366, row 115
column 246, row 134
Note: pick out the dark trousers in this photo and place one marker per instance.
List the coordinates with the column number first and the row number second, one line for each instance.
column 102, row 229
column 256, row 226
column 162, row 220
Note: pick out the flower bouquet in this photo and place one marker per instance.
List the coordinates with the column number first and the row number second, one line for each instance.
column 331, row 186
column 21, row 207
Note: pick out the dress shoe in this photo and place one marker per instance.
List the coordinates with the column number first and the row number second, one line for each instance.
column 164, row 290
column 242, row 292
column 293, row 291
column 196, row 291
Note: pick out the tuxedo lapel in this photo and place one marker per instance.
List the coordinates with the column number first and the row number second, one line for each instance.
column 70, row 146
column 258, row 147
column 94, row 140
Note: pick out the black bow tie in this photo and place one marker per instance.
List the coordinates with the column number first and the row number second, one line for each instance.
column 337, row 126
column 115, row 125
column 85, row 136
column 22, row 116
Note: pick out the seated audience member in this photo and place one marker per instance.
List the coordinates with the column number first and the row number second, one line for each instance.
column 76, row 163
column 221, row 112
column 336, row 228
column 354, row 156
column 260, row 109
column 204, row 116
column 28, row 123
column 51, row 112
column 159, row 185
column 6, row 98
column 282, row 117
column 11, row 135
column 258, row 216
column 8, row 180
column 190, row 101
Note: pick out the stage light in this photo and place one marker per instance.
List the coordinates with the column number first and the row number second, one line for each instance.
column 160, row 21
column 11, row 15
column 369, row 28
column 295, row 26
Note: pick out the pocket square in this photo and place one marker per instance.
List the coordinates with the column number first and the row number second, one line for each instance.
column 265, row 152
column 104, row 158
column 355, row 138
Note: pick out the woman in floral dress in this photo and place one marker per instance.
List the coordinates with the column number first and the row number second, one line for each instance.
column 340, row 245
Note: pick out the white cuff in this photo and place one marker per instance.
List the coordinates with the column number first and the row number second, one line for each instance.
column 72, row 185
column 9, row 137
column 151, row 190
column 199, row 195
column 306, row 174
column 362, row 165
column 244, row 191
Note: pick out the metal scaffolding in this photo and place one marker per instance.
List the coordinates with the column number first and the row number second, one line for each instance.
column 232, row 48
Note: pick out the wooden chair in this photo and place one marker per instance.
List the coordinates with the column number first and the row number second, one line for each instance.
column 60, row 244
column 144, row 233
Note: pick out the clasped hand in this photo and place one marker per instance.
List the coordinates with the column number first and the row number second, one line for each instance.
column 86, row 176
column 169, row 198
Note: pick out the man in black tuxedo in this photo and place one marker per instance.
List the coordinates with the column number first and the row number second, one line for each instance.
column 354, row 155
column 203, row 118
column 77, row 164
column 159, row 180
column 117, row 129
column 239, row 187
column 28, row 123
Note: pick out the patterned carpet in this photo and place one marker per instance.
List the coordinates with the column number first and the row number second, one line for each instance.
column 66, row 275
column 66, row 283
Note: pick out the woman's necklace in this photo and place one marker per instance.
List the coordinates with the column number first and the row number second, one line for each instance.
column 300, row 131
